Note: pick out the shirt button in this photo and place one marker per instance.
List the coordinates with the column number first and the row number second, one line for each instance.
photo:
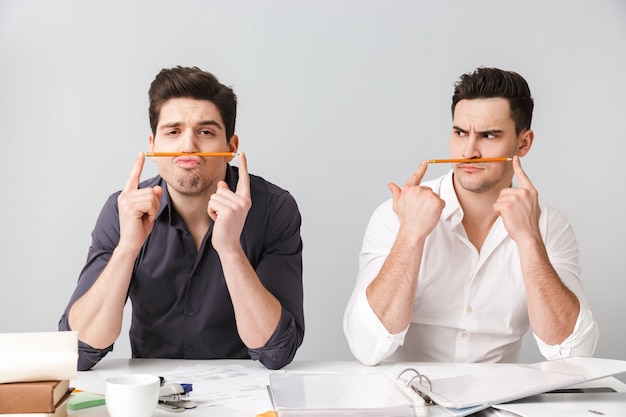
column 190, row 313
column 463, row 334
column 469, row 309
column 190, row 347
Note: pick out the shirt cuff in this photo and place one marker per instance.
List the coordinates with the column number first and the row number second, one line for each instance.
column 368, row 338
column 582, row 341
column 281, row 348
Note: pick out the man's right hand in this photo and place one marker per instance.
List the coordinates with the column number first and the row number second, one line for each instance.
column 137, row 208
column 418, row 208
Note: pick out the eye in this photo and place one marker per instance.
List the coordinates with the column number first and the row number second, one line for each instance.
column 460, row 133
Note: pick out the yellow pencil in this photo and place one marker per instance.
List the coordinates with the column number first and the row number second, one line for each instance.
column 202, row 154
column 441, row 161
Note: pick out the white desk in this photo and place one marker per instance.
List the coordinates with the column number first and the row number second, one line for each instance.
column 93, row 380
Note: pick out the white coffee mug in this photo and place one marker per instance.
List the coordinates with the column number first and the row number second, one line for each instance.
column 134, row 395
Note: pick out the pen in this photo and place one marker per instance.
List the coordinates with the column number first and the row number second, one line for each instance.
column 203, row 154
column 441, row 161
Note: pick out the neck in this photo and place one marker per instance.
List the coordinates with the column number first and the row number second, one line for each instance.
column 192, row 208
column 478, row 213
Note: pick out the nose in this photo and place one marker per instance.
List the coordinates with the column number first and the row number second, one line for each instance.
column 470, row 150
column 188, row 140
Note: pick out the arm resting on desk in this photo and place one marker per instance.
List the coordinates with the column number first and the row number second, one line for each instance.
column 582, row 341
column 87, row 355
column 281, row 348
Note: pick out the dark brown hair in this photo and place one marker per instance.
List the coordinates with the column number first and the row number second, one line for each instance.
column 192, row 82
column 494, row 82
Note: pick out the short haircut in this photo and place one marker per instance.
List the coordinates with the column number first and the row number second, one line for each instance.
column 192, row 82
column 494, row 82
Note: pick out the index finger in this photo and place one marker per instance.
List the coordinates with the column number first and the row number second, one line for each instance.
column 243, row 184
column 132, row 183
column 417, row 176
column 522, row 179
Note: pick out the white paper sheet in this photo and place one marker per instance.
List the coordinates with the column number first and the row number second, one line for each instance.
column 233, row 385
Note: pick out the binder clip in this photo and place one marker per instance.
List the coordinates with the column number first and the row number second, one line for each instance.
column 174, row 397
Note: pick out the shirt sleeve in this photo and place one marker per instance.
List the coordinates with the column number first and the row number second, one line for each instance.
column 367, row 337
column 562, row 247
column 369, row 340
column 582, row 341
column 104, row 240
column 280, row 271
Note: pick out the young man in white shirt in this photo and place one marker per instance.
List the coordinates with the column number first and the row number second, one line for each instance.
column 458, row 268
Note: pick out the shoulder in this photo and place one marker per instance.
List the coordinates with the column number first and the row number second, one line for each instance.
column 260, row 187
column 554, row 224
column 151, row 182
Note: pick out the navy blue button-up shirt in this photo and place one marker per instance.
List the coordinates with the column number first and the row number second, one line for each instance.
column 181, row 307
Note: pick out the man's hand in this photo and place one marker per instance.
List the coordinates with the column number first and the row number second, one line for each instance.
column 417, row 207
column 229, row 210
column 137, row 208
column 519, row 207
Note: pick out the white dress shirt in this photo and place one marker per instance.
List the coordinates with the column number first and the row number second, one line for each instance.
column 470, row 306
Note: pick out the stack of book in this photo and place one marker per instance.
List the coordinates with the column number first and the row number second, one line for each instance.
column 37, row 398
column 35, row 373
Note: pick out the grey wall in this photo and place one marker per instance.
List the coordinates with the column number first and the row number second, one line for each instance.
column 337, row 98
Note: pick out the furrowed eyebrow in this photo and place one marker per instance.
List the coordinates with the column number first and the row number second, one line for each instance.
column 484, row 132
column 202, row 123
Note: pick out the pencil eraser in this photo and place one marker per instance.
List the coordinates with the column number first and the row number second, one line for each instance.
column 84, row 399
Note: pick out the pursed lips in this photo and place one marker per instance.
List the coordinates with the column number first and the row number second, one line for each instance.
column 187, row 161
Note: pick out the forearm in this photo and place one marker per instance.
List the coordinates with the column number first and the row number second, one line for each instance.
column 97, row 315
column 257, row 311
column 552, row 307
column 392, row 293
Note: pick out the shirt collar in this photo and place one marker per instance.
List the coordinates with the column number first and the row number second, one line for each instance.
column 447, row 193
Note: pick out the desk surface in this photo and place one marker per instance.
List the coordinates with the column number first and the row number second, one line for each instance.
column 93, row 380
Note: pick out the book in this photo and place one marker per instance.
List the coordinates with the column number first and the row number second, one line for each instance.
column 38, row 356
column 59, row 411
column 32, row 397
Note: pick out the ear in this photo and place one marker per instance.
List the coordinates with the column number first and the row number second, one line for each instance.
column 151, row 144
column 233, row 145
column 525, row 142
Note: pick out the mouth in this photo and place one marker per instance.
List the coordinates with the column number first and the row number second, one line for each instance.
column 187, row 161
column 470, row 167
